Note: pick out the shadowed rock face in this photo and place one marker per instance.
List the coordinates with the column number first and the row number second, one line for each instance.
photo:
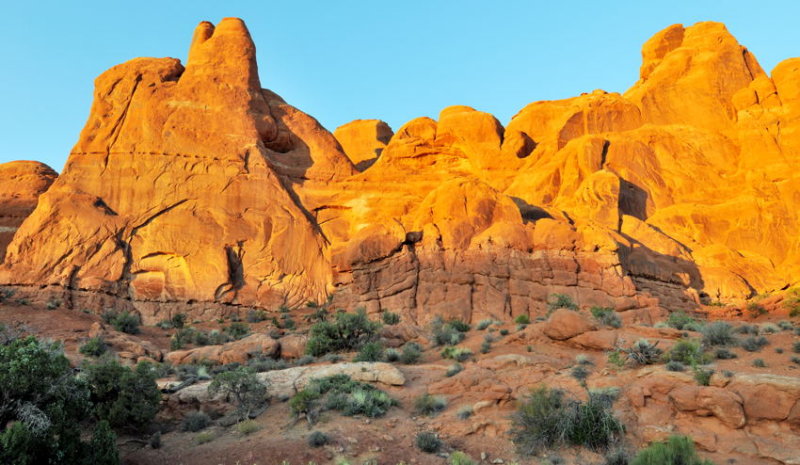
column 194, row 188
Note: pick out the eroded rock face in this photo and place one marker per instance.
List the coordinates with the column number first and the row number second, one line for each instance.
column 193, row 187
column 21, row 184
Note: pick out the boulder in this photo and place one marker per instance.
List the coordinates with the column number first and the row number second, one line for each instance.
column 255, row 345
column 564, row 324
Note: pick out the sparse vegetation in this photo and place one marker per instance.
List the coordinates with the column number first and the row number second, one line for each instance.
column 769, row 328
column 256, row 316
column 454, row 369
column 754, row 343
column 317, row 439
column 460, row 458
column 548, row 419
column 755, row 310
column 391, row 355
column 522, row 320
column 203, row 438
column 759, row 363
column 348, row 331
column 410, row 354
column 703, row 376
column 464, row 412
column 195, row 421
column 390, row 318
column 718, row 333
column 428, row 442
column 687, row 352
column 792, row 302
column 674, row 365
column 616, row 358
column 483, row 324
column 429, row 405
column 677, row 450
column 556, row 301
column 370, row 352
column 340, row 393
column 237, row 330
column 94, row 347
column 248, row 392
column 247, row 427
column 459, row 354
column 642, row 352
column 449, row 333
column 724, row 354
column 606, row 316
column 682, row 321
column 125, row 321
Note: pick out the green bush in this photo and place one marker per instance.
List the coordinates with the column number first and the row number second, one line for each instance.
column 317, row 439
column 642, row 352
column 248, row 392
column 796, row 347
column 580, row 373
column 103, row 447
column 348, row 331
column 677, row 450
column 718, row 333
column 674, row 365
column 410, row 354
column 454, row 369
column 616, row 358
column 687, row 352
column 754, row 309
column 682, row 321
column 483, row 324
column 702, row 376
column 256, row 316
column 724, row 354
column 606, row 316
column 464, row 412
column 391, row 355
column 449, row 333
column 195, row 421
column 125, row 321
column 237, row 330
column 429, row 405
column 754, row 344
column 247, row 427
column 556, row 301
column 370, row 352
column 792, row 302
column 203, row 438
column 548, row 419
column 390, row 318
column 759, row 363
column 522, row 320
column 94, row 347
column 341, row 393
column 746, row 329
column 428, row 442
column 125, row 397
column 486, row 347
column 458, row 354
column 460, row 458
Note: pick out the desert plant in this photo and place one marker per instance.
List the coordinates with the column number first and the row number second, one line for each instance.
column 348, row 331
column 618, row 456
column 522, row 320
column 410, row 354
column 754, row 344
column 483, row 324
column 746, row 329
column 247, row 427
column 460, row 458
column 703, row 376
column 769, row 328
column 237, row 330
column 458, row 354
column 203, row 438
column 317, row 439
column 449, row 333
column 125, row 321
column 390, row 318
column 454, row 369
column 428, row 442
column 616, row 358
column 155, row 440
column 724, row 354
column 429, row 405
column 795, row 360
column 391, row 355
column 341, row 393
column 556, row 301
column 546, row 419
column 370, row 352
column 123, row 396
column 718, row 333
column 642, row 352
column 248, row 392
column 779, row 350
column 94, row 347
column 680, row 320
column 256, row 316
column 464, row 412
column 674, row 365
column 754, row 309
column 504, row 332
column 195, row 421
column 759, row 363
column 606, row 316
column 687, row 352
column 486, row 347
column 53, row 304
column 792, row 302
column 676, row 450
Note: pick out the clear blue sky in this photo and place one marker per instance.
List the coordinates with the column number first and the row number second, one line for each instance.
column 342, row 60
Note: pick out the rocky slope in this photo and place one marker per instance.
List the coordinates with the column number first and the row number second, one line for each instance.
column 194, row 189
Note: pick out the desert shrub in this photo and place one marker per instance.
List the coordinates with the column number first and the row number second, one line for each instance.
column 317, row 439
column 703, row 376
column 486, row 347
column 410, row 354
column 606, row 316
column 195, row 421
column 754, row 343
column 795, row 360
column 429, row 405
column 724, row 354
column 458, row 354
column 580, row 373
column 390, row 318
column 155, row 440
column 178, row 320
column 618, row 456
column 759, row 363
column 237, row 330
column 460, row 458
column 718, row 333
column 769, row 328
column 674, row 365
column 583, row 359
column 779, row 350
column 606, row 396
column 746, row 329
column 428, row 442
column 94, row 347
column 755, row 310
column 642, row 352
column 42, row 404
column 682, row 321
column 305, row 360
column 464, row 412
column 616, row 358
column 449, row 333
column 247, row 427
column 687, row 352
column 348, row 331
column 370, row 352
column 677, row 450
column 6, row 294
column 391, row 355
column 483, row 324
column 504, row 332
column 556, row 301
column 546, row 419
column 125, row 321
column 785, row 325
column 203, row 438
column 796, row 347
column 216, row 337
column 522, row 320
column 123, row 396
column 256, row 316
column 341, row 393
column 260, row 365
column 792, row 302
column 454, row 369
column 53, row 304
column 248, row 392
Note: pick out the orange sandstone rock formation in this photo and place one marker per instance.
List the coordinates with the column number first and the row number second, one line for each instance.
column 196, row 187
column 22, row 184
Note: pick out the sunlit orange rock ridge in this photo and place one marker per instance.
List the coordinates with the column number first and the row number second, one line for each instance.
column 22, row 183
column 195, row 189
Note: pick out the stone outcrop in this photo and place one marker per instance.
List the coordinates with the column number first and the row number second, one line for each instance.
column 193, row 189
column 21, row 184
